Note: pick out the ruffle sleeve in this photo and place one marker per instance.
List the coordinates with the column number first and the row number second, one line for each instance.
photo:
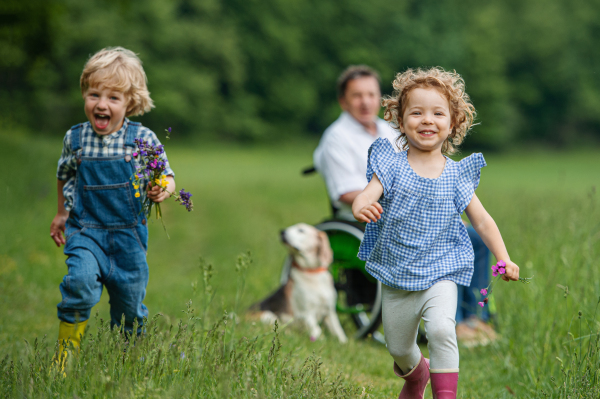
column 382, row 161
column 469, row 174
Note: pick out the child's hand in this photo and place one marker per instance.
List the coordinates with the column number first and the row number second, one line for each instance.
column 365, row 207
column 57, row 228
column 157, row 194
column 512, row 271
column 370, row 212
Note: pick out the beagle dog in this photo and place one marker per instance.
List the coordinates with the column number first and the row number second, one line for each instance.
column 309, row 296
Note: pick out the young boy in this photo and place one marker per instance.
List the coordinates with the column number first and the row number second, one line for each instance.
column 105, row 234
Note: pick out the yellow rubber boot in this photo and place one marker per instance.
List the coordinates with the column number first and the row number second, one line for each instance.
column 68, row 333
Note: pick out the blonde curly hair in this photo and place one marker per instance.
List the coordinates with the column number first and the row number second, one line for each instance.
column 450, row 84
column 120, row 69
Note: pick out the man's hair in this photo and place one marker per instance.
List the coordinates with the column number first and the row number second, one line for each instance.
column 354, row 72
column 119, row 69
column 450, row 85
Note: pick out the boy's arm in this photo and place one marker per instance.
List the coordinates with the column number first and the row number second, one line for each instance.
column 157, row 194
column 365, row 206
column 485, row 226
column 57, row 227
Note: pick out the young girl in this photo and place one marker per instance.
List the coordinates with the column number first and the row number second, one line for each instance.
column 417, row 245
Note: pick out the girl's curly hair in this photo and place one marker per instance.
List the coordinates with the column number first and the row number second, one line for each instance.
column 450, row 84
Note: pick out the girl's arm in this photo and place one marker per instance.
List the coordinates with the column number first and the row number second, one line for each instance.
column 485, row 226
column 365, row 206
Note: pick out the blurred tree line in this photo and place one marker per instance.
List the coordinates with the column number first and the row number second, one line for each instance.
column 266, row 69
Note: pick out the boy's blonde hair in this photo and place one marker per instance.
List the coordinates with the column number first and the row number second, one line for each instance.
column 119, row 69
column 450, row 84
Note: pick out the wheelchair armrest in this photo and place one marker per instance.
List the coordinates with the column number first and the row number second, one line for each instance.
column 309, row 170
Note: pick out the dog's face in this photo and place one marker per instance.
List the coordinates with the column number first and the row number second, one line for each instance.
column 308, row 245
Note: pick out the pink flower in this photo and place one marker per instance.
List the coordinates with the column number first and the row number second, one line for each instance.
column 481, row 304
column 483, row 291
column 499, row 268
column 135, row 154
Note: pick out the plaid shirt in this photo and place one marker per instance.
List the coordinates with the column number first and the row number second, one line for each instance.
column 94, row 145
column 420, row 238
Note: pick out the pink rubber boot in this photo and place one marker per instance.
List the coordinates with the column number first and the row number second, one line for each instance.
column 416, row 380
column 444, row 385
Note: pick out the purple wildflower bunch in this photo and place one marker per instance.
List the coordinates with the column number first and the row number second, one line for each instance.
column 152, row 169
column 184, row 198
column 497, row 271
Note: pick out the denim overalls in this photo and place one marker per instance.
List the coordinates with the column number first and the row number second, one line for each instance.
column 107, row 238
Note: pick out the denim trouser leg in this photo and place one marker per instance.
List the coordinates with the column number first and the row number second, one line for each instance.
column 126, row 286
column 81, row 288
column 469, row 296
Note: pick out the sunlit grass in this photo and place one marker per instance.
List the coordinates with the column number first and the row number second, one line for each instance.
column 544, row 203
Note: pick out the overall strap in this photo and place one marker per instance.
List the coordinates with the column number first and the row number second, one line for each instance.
column 76, row 140
column 132, row 132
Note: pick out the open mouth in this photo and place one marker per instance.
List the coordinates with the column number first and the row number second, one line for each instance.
column 101, row 121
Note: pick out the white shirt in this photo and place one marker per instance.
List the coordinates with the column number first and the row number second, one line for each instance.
column 341, row 157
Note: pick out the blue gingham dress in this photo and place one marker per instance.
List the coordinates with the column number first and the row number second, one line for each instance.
column 420, row 238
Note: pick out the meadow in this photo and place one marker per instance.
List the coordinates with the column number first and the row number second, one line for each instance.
column 545, row 203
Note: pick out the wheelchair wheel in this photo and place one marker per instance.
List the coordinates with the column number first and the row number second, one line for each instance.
column 359, row 294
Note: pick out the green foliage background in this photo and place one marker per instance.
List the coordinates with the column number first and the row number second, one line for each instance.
column 265, row 70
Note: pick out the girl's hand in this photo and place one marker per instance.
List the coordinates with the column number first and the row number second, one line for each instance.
column 512, row 271
column 365, row 207
column 370, row 212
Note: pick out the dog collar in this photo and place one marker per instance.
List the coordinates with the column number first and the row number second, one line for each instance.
column 308, row 270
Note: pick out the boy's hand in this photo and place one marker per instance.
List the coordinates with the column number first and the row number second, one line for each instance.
column 157, row 194
column 512, row 271
column 370, row 212
column 57, row 228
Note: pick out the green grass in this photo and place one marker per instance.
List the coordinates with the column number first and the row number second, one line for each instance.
column 545, row 204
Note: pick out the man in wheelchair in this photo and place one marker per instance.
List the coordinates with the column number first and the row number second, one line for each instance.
column 341, row 158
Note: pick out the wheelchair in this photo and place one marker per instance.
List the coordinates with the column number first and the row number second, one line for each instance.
column 359, row 294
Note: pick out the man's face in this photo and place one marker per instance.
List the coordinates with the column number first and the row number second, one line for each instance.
column 362, row 99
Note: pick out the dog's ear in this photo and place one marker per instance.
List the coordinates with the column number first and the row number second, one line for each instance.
column 324, row 252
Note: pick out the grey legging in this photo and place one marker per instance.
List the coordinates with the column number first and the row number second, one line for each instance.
column 402, row 312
